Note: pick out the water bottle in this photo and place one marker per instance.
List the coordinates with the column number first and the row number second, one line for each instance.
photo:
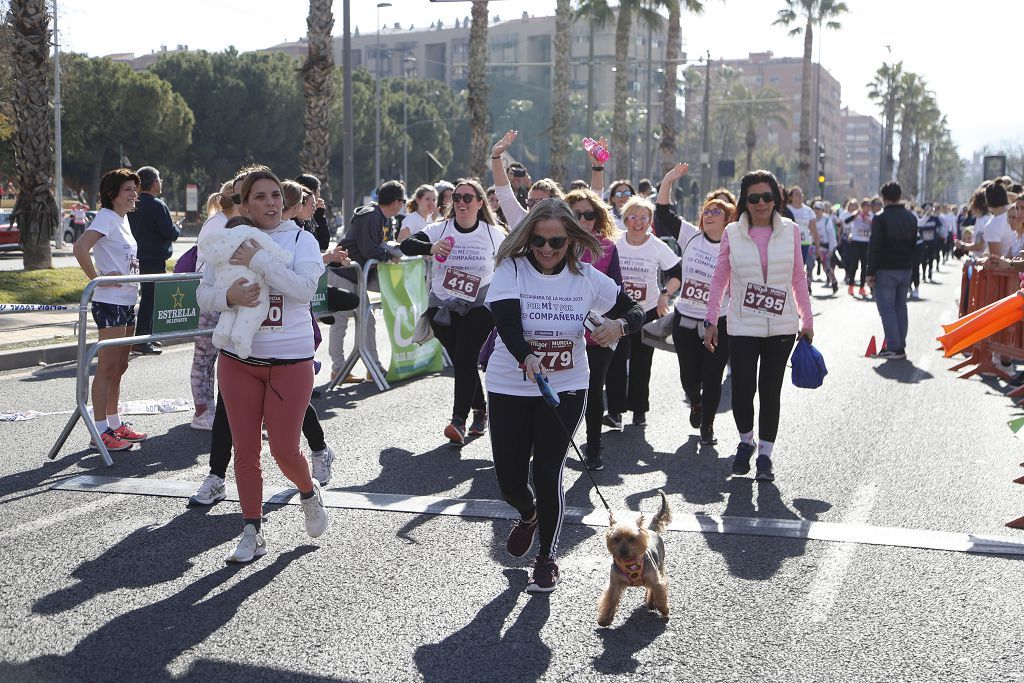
column 598, row 151
column 441, row 258
column 594, row 321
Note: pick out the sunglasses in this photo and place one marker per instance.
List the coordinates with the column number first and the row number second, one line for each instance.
column 713, row 212
column 538, row 242
column 468, row 198
column 236, row 198
column 638, row 218
column 623, row 193
column 765, row 197
column 586, row 215
column 531, row 202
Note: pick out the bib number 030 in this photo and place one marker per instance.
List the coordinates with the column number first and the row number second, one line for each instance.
column 696, row 291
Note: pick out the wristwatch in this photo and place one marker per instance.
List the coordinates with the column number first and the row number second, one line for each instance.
column 664, row 290
column 707, row 324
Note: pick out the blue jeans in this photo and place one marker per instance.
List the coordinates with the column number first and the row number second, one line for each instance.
column 891, row 289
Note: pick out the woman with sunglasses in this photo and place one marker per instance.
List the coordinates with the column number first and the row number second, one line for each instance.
column 700, row 368
column 642, row 258
column 540, row 297
column 760, row 265
column 464, row 245
column 592, row 214
column 620, row 192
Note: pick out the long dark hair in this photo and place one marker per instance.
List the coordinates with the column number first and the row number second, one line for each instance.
column 753, row 178
column 484, row 213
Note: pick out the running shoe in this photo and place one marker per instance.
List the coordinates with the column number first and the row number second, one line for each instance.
column 321, row 462
column 478, row 427
column 741, row 461
column 315, row 513
column 250, row 545
column 889, row 354
column 849, row 289
column 593, row 461
column 863, row 294
column 456, row 431
column 764, row 469
column 126, row 433
column 204, row 421
column 112, row 441
column 639, row 418
column 835, row 287
column 707, row 436
column 613, row 420
column 695, row 415
column 545, row 575
column 520, row 538
column 209, row 492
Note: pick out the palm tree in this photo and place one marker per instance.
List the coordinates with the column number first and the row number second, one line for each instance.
column 646, row 11
column 884, row 89
column 560, row 106
column 317, row 80
column 670, row 85
column 598, row 14
column 927, row 124
column 912, row 90
column 476, row 101
column 811, row 12
column 760, row 108
column 35, row 209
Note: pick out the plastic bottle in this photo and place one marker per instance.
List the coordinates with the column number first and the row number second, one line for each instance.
column 598, row 151
column 441, row 258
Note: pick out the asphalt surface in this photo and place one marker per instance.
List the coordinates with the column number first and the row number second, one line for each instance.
column 103, row 587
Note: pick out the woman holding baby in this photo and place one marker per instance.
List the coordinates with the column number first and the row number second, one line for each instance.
column 273, row 384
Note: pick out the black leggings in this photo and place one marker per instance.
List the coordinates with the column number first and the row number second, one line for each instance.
column 221, row 441
column 700, row 371
column 917, row 273
column 773, row 353
column 856, row 252
column 462, row 339
column 598, row 358
column 632, row 390
column 522, row 426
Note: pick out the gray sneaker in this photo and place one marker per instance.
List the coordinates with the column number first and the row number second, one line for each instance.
column 315, row 512
column 321, row 461
column 209, row 492
column 250, row 545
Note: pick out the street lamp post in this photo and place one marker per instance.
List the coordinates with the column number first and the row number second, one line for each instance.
column 407, row 63
column 58, row 175
column 376, row 137
column 347, row 164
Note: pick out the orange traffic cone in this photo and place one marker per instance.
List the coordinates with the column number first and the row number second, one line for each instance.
column 872, row 349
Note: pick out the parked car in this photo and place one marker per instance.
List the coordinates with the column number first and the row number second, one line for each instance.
column 9, row 234
column 73, row 232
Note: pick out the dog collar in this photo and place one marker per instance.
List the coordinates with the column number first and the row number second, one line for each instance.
column 633, row 569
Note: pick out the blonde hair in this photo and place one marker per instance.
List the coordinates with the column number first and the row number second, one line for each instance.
column 548, row 185
column 518, row 241
column 213, row 204
column 637, row 202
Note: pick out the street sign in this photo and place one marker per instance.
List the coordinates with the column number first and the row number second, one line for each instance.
column 192, row 198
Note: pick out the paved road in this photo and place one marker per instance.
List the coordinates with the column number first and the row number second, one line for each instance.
column 101, row 587
column 12, row 260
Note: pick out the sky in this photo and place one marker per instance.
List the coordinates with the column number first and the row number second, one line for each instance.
column 922, row 33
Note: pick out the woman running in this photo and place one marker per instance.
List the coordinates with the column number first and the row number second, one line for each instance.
column 273, row 385
column 540, row 296
column 464, row 245
column 828, row 242
column 761, row 265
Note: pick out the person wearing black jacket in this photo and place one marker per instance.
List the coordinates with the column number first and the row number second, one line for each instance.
column 154, row 231
column 890, row 262
column 317, row 224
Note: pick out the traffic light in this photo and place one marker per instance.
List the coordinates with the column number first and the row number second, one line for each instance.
column 821, row 170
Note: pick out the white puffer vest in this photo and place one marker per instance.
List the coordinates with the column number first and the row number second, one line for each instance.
column 745, row 264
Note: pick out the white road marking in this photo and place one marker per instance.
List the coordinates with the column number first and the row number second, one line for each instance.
column 828, row 580
column 58, row 518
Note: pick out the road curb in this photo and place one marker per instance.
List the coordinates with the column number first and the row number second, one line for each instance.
column 17, row 359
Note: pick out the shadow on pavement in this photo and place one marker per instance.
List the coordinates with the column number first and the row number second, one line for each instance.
column 622, row 642
column 902, row 371
column 139, row 645
column 474, row 652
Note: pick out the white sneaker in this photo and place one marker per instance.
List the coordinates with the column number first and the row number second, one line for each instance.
column 321, row 461
column 315, row 512
column 250, row 545
column 204, row 421
column 210, row 491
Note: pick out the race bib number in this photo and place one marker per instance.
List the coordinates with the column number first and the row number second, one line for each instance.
column 275, row 314
column 636, row 291
column 554, row 354
column 460, row 284
column 765, row 301
column 695, row 291
column 133, row 266
column 863, row 233
column 928, row 235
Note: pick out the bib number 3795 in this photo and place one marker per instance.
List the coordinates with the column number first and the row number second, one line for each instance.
column 764, row 301
column 460, row 284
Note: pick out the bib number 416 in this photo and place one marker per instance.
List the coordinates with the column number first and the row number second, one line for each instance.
column 460, row 284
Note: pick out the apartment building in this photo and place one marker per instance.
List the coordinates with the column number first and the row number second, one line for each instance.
column 863, row 153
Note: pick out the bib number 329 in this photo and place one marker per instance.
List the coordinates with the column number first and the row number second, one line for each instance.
column 554, row 354
column 764, row 301
column 460, row 284
column 637, row 291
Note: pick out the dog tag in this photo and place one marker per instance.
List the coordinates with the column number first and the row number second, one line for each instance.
column 637, row 291
column 764, row 301
column 275, row 314
column 460, row 284
column 554, row 354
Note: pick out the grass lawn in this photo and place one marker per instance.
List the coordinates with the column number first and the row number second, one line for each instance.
column 55, row 286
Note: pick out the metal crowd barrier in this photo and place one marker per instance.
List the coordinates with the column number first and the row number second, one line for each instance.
column 87, row 352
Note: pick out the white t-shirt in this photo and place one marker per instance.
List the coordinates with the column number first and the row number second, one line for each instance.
column 640, row 265
column 948, row 225
column 803, row 217
column 826, row 232
column 861, row 227
column 470, row 266
column 978, row 229
column 553, row 310
column 998, row 235
column 214, row 223
column 415, row 222
column 116, row 253
column 288, row 330
column 1016, row 244
column 700, row 256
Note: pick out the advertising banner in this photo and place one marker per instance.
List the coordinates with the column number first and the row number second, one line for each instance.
column 403, row 292
column 174, row 306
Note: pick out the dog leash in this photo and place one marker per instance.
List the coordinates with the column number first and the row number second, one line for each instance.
column 551, row 398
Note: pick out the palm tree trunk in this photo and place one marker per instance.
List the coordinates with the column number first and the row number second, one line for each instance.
column 804, row 155
column 890, row 129
column 560, row 106
column 35, row 210
column 317, row 82
column 906, row 140
column 669, row 110
column 751, row 141
column 620, row 134
column 590, row 81
column 477, row 98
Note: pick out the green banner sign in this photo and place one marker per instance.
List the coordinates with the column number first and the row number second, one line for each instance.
column 403, row 293
column 174, row 306
column 319, row 301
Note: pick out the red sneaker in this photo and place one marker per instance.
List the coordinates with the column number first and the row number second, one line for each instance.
column 126, row 433
column 112, row 441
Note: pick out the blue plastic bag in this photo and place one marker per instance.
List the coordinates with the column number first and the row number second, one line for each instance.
column 808, row 366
